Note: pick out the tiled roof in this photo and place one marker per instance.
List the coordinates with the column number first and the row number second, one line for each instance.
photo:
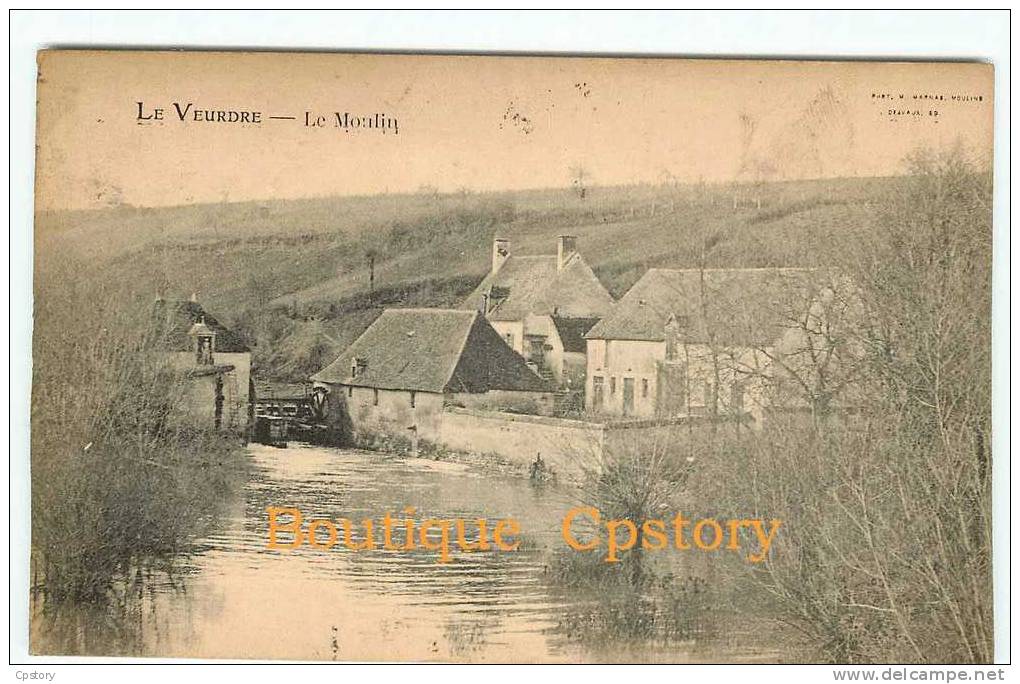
column 432, row 350
column 572, row 331
column 740, row 307
column 176, row 317
column 533, row 285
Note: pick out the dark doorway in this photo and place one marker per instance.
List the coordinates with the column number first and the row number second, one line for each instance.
column 628, row 396
column 536, row 351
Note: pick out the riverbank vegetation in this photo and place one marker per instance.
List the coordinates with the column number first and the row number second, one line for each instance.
column 885, row 549
column 118, row 486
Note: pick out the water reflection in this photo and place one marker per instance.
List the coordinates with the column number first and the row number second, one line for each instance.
column 233, row 598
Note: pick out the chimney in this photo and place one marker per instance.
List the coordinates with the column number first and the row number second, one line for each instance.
column 566, row 247
column 500, row 252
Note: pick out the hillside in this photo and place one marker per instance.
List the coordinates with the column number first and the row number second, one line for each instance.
column 302, row 259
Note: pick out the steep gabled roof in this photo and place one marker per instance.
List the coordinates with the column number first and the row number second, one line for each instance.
column 732, row 307
column 174, row 319
column 572, row 332
column 432, row 350
column 534, row 285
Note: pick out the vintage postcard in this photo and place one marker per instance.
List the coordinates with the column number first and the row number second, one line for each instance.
column 368, row 357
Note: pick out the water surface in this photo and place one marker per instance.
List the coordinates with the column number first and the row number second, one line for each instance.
column 233, row 597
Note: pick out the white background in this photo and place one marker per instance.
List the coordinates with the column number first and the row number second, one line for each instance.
column 899, row 34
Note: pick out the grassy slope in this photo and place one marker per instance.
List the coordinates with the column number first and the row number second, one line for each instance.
column 310, row 256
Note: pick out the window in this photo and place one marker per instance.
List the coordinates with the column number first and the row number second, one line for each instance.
column 612, row 385
column 644, row 388
column 412, row 399
column 350, row 390
column 375, row 397
column 510, row 340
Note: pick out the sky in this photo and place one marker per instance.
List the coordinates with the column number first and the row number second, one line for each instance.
column 478, row 123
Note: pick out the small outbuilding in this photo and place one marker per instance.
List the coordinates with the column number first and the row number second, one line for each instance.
column 410, row 363
column 213, row 361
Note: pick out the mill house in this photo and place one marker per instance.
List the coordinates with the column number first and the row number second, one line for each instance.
column 542, row 305
column 692, row 341
column 398, row 376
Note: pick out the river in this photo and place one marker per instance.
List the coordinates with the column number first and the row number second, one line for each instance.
column 232, row 597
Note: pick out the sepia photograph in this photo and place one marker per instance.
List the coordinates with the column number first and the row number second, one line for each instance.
column 511, row 359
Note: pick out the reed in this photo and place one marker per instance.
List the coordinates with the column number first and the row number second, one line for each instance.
column 118, row 485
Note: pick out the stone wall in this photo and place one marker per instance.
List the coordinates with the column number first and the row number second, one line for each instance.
column 565, row 445
column 235, row 383
column 392, row 412
column 195, row 406
column 568, row 446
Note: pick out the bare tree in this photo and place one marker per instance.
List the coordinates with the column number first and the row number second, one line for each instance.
column 579, row 180
column 886, row 554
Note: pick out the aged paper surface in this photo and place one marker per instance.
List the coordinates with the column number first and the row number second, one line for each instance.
column 511, row 359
